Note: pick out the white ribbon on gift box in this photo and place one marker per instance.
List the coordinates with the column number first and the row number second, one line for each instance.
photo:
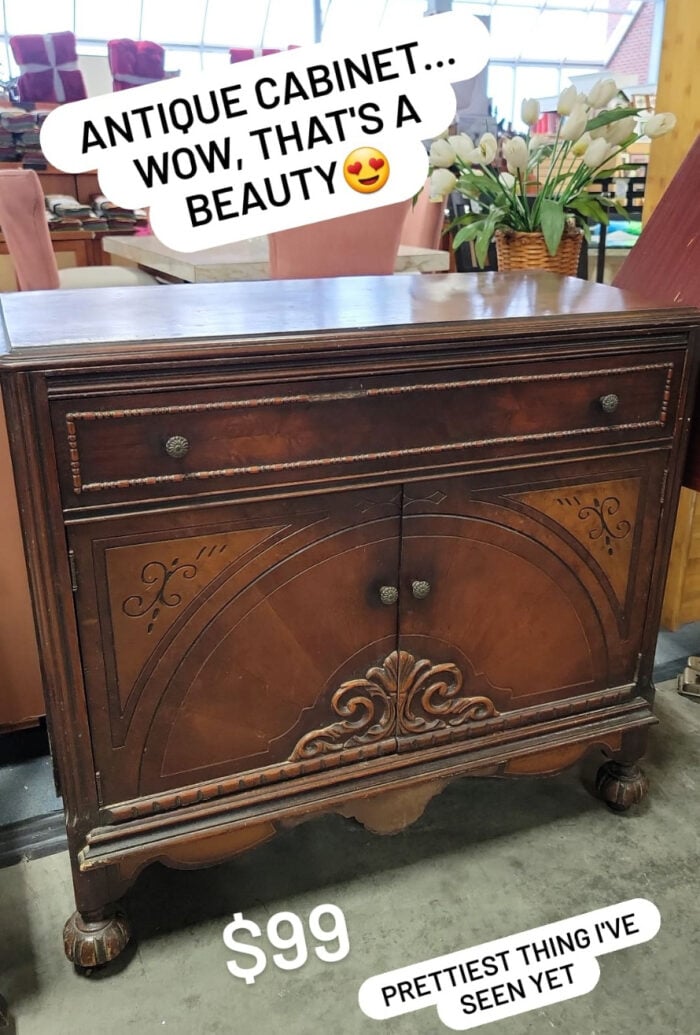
column 133, row 80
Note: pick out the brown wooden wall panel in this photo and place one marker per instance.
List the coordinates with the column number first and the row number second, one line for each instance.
column 678, row 91
column 21, row 696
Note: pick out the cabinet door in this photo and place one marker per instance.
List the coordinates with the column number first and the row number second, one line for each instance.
column 522, row 590
column 227, row 648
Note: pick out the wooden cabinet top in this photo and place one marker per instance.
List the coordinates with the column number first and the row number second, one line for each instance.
column 63, row 329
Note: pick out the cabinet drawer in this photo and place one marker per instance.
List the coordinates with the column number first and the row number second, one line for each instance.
column 209, row 439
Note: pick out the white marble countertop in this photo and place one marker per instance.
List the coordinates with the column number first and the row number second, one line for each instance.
column 244, row 260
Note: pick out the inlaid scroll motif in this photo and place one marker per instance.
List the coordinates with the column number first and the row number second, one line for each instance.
column 159, row 593
column 367, row 711
column 601, row 516
column 431, row 697
column 606, row 521
column 150, row 586
column 403, row 695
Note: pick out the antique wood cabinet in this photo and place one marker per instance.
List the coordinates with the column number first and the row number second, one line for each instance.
column 325, row 545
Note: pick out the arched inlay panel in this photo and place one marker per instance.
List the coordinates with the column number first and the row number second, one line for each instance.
column 260, row 675
column 240, row 662
column 602, row 517
column 510, row 612
column 152, row 586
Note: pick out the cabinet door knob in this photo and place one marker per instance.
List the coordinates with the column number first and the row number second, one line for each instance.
column 420, row 589
column 609, row 403
column 176, row 446
column 388, row 595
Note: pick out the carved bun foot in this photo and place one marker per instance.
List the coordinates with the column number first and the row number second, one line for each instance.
column 621, row 785
column 92, row 943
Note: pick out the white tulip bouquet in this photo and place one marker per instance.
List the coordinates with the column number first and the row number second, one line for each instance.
column 590, row 135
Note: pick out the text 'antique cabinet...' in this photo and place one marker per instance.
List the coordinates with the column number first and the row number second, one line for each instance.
column 324, row 545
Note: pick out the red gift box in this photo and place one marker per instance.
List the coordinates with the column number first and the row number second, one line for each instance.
column 48, row 67
column 135, row 63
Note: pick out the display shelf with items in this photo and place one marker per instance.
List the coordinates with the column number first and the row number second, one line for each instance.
column 284, row 544
column 19, row 138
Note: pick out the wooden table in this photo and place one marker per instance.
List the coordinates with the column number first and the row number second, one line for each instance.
column 244, row 260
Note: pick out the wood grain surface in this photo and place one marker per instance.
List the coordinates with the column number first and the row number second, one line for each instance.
column 326, row 546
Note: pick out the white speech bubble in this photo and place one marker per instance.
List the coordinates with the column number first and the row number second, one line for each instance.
column 268, row 144
column 528, row 989
column 511, row 975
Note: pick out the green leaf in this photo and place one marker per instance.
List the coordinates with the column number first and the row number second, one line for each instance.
column 467, row 233
column 619, row 207
column 486, row 233
column 591, row 207
column 604, row 174
column 615, row 203
column 482, row 245
column 624, row 144
column 583, row 206
column 544, row 150
column 610, row 115
column 464, row 220
column 552, row 220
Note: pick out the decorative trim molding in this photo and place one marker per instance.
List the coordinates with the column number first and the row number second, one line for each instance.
column 413, row 695
column 367, row 710
column 207, row 791
column 79, row 486
column 436, row 692
column 392, row 454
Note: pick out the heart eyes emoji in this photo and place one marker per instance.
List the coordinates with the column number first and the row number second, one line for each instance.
column 366, row 170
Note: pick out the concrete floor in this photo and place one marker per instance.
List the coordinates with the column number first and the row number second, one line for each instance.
column 488, row 858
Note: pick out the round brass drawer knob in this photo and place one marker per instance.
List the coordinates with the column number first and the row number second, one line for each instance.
column 609, row 403
column 177, row 446
column 388, row 595
column 420, row 589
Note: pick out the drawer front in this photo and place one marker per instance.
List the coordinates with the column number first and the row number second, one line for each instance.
column 210, row 439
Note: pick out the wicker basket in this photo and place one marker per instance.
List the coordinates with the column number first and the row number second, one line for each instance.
column 517, row 250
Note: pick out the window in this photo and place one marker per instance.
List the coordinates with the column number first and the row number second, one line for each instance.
column 289, row 23
column 542, row 41
column 166, row 22
column 501, row 90
column 234, row 25
column 186, row 62
column 352, row 19
column 107, row 21
column 29, row 16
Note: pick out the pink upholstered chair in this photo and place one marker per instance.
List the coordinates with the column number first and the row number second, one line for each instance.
column 423, row 225
column 237, row 54
column 135, row 63
column 48, row 67
column 23, row 224
column 361, row 244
